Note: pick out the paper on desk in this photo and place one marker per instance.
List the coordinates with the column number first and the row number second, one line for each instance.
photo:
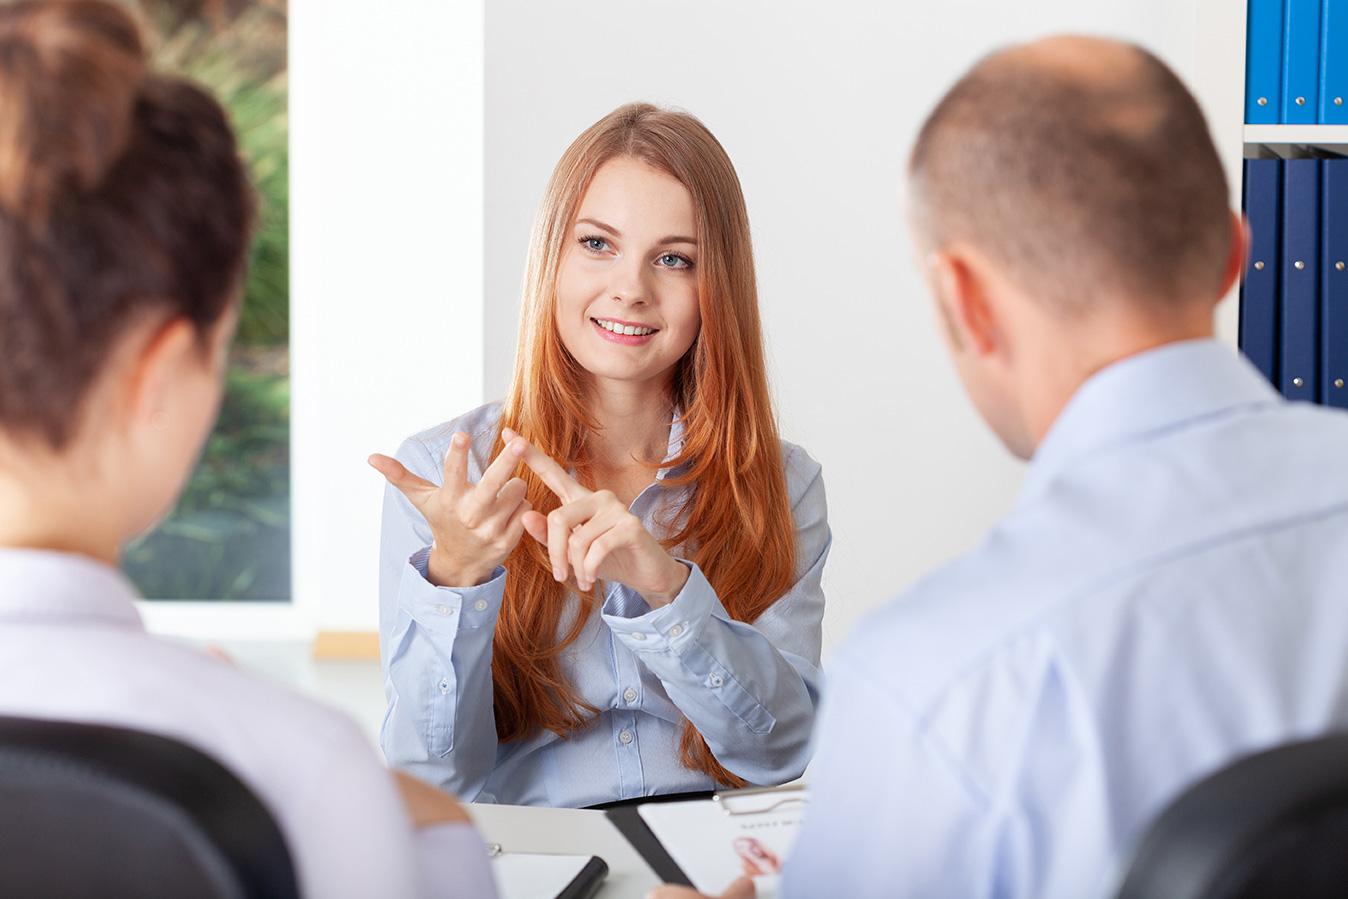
column 713, row 847
column 526, row 875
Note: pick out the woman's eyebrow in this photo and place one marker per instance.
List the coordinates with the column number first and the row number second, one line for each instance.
column 598, row 224
column 673, row 238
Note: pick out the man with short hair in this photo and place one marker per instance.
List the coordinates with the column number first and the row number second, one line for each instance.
column 1168, row 592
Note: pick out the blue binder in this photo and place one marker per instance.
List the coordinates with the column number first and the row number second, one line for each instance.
column 1298, row 372
column 1301, row 62
column 1259, row 288
column 1334, row 62
column 1334, row 286
column 1263, row 62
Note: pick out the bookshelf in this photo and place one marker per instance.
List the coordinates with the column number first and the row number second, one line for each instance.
column 1293, row 141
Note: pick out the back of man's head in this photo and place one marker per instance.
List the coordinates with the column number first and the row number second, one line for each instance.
column 1083, row 170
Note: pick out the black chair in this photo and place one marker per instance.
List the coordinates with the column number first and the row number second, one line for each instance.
column 1269, row 826
column 88, row 810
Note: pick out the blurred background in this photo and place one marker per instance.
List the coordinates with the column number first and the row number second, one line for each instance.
column 229, row 537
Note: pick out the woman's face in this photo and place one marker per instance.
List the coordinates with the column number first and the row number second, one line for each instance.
column 627, row 304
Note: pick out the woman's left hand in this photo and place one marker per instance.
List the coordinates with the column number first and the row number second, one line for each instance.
column 593, row 535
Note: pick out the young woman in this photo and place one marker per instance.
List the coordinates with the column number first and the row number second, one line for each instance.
column 124, row 219
column 637, row 611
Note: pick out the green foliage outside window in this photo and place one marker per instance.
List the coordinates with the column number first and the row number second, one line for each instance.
column 229, row 537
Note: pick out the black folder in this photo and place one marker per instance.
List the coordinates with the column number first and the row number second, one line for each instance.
column 626, row 816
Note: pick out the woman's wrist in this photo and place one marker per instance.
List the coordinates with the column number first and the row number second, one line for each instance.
column 665, row 593
column 443, row 571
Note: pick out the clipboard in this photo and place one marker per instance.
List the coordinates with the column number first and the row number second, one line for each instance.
column 743, row 808
column 557, row 876
column 626, row 816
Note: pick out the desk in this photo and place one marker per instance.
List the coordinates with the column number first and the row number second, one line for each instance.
column 568, row 831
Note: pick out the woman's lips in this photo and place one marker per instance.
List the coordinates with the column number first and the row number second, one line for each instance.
column 623, row 339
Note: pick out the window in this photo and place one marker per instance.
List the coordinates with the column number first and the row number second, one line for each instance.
column 230, row 536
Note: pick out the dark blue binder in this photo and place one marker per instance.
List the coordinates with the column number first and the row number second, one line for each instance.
column 1334, row 62
column 1334, row 285
column 1301, row 62
column 1298, row 372
column 1263, row 62
column 1259, row 288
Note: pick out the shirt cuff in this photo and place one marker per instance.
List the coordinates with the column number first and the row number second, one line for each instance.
column 450, row 608
column 767, row 886
column 670, row 627
column 454, row 862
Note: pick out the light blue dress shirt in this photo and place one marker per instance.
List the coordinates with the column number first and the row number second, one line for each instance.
column 750, row 689
column 1169, row 592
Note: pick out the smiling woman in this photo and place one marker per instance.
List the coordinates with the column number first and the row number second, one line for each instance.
column 608, row 586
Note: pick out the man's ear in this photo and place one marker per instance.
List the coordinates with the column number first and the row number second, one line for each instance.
column 1240, row 252
column 161, row 360
column 962, row 294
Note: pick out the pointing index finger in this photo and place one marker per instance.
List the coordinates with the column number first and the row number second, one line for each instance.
column 554, row 475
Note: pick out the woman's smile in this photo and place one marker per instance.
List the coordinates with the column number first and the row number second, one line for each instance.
column 622, row 332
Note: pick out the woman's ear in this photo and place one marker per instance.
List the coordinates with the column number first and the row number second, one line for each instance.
column 164, row 357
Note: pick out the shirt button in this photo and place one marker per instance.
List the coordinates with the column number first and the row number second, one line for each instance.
column 676, row 630
column 625, row 737
column 638, row 635
column 714, row 681
column 442, row 609
column 480, row 605
column 444, row 685
column 629, row 695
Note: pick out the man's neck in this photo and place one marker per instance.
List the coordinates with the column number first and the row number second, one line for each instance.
column 1094, row 350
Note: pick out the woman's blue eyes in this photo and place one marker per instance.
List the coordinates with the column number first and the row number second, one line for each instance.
column 665, row 260
column 674, row 260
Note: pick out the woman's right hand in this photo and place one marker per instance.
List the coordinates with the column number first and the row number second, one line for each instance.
column 475, row 526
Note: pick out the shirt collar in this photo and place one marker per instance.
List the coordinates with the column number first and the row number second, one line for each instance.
column 44, row 585
column 1145, row 394
column 675, row 447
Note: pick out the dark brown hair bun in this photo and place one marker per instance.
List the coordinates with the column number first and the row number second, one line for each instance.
column 69, row 76
column 122, row 196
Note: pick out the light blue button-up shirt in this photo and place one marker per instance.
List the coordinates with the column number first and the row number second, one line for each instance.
column 750, row 688
column 1169, row 592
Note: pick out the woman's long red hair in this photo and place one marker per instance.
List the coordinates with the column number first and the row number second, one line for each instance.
column 738, row 527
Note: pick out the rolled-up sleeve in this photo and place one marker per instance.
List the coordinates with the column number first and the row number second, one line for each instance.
column 750, row 689
column 435, row 650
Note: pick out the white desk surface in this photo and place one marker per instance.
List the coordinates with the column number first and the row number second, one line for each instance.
column 568, row 831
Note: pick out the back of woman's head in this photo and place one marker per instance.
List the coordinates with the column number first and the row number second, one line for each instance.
column 122, row 201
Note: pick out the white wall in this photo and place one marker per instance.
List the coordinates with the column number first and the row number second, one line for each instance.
column 386, row 162
column 817, row 104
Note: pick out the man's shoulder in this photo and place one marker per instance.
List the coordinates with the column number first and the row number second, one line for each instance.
column 917, row 645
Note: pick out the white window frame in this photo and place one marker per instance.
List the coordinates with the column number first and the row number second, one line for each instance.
column 386, row 126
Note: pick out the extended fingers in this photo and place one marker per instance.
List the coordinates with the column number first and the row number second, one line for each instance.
column 501, row 469
column 456, row 463
column 488, row 497
column 415, row 488
column 553, row 474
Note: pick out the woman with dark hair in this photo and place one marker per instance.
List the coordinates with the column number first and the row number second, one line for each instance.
column 124, row 229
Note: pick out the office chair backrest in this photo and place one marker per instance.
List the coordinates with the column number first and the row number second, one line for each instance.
column 1269, row 826
column 89, row 810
